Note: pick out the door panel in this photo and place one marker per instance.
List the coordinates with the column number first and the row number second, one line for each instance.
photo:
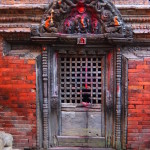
column 81, row 121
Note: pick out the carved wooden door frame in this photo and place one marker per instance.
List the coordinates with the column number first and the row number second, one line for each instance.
column 115, row 107
column 63, row 23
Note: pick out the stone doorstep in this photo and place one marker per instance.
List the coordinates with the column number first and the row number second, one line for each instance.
column 67, row 148
column 79, row 148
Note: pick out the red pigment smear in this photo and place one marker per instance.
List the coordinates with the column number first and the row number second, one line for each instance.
column 86, row 86
column 109, row 69
column 44, row 48
column 81, row 9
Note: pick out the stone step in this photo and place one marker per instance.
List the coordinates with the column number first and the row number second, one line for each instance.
column 79, row 148
column 77, row 141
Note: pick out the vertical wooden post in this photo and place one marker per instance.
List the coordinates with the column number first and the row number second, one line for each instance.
column 54, row 98
column 124, row 101
column 45, row 95
column 39, row 102
column 109, row 107
column 118, row 98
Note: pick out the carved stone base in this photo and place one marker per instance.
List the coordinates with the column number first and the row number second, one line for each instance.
column 6, row 140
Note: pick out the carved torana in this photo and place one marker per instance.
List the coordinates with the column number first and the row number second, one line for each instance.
column 82, row 17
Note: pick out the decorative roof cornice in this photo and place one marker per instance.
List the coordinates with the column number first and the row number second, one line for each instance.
column 23, row 6
column 44, row 6
column 133, row 7
column 20, row 17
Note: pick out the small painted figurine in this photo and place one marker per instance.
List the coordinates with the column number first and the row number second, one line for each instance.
column 68, row 26
column 96, row 27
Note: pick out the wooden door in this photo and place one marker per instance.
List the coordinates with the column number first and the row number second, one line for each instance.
column 81, row 94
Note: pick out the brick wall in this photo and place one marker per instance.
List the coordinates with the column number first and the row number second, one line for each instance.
column 139, row 104
column 18, row 99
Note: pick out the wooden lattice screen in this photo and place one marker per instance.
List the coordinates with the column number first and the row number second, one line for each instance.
column 78, row 73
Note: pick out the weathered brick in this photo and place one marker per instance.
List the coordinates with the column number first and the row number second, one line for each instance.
column 16, row 117
column 138, row 104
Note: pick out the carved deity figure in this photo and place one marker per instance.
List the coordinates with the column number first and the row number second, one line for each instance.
column 84, row 22
column 96, row 27
column 49, row 24
column 77, row 25
column 68, row 26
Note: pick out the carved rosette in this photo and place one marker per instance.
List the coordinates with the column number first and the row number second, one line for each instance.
column 54, row 102
column 83, row 16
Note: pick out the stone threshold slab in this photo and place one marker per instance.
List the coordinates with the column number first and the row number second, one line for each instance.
column 79, row 148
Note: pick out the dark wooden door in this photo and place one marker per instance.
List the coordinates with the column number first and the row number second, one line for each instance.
column 81, row 94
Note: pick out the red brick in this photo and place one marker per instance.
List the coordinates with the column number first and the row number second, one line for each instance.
column 133, row 135
column 31, row 77
column 135, row 102
column 133, row 130
column 135, row 70
column 146, row 59
column 143, row 67
column 147, row 87
column 133, row 138
column 17, row 82
column 133, row 79
column 135, row 118
column 135, row 87
column 135, row 111
column 143, row 106
column 131, row 106
column 31, row 61
column 140, row 62
column 132, row 122
column 145, row 123
column 146, row 102
column 132, row 66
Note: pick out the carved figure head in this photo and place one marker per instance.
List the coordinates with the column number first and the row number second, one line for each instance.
column 106, row 16
column 128, row 32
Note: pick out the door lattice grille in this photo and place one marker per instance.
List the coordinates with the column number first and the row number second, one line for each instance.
column 78, row 74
